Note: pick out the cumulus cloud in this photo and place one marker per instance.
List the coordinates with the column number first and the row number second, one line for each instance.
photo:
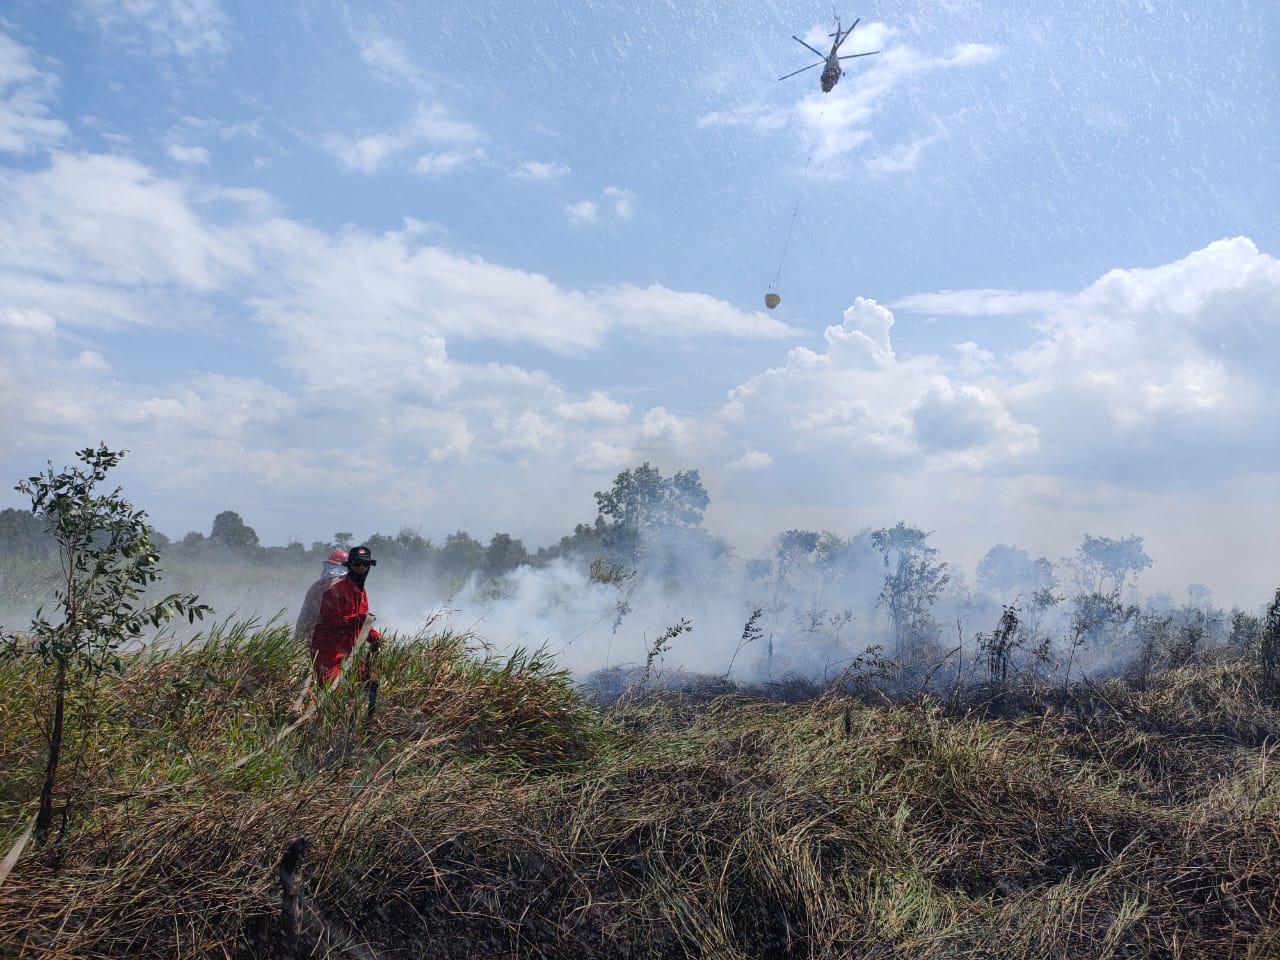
column 1165, row 374
column 598, row 406
column 857, row 400
column 1163, row 371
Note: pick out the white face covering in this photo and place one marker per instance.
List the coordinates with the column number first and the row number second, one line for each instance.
column 332, row 570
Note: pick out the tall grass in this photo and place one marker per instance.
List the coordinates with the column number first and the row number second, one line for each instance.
column 485, row 809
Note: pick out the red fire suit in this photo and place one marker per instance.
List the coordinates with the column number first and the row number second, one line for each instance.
column 342, row 609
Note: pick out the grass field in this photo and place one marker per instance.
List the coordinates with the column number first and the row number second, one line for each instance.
column 486, row 809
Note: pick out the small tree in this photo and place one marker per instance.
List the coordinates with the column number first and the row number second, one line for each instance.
column 644, row 504
column 108, row 561
column 460, row 557
column 503, row 555
column 230, row 531
column 1104, row 566
column 913, row 580
column 1007, row 571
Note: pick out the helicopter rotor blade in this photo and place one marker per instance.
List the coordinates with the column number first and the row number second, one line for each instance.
column 802, row 70
column 807, row 47
column 850, row 56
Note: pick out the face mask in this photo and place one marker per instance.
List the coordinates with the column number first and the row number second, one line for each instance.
column 358, row 576
column 332, row 570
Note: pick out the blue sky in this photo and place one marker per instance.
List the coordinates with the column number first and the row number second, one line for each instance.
column 453, row 266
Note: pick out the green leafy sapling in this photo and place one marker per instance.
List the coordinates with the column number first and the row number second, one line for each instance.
column 108, row 561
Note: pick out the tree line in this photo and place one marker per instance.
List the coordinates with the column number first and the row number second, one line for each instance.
column 649, row 526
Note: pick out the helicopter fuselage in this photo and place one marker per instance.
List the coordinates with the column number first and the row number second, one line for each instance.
column 831, row 73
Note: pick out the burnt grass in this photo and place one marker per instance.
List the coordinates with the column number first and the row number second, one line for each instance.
column 488, row 809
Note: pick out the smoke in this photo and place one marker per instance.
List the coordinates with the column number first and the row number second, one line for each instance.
column 810, row 605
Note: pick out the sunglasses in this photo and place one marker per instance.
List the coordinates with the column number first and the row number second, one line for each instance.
column 360, row 563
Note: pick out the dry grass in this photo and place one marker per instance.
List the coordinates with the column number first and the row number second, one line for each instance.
column 486, row 810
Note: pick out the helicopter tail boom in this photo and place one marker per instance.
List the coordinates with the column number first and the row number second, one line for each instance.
column 842, row 37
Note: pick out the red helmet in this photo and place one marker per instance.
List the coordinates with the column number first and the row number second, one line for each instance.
column 338, row 556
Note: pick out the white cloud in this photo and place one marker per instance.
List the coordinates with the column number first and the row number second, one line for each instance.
column 211, row 407
column 25, row 95
column 92, row 360
column 537, row 170
column 904, row 157
column 663, row 429
column 751, row 460
column 30, row 321
column 859, row 402
column 1163, row 371
column 530, row 431
column 186, row 28
column 600, row 455
column 618, row 201
column 312, row 286
column 105, row 242
column 431, row 124
column 759, row 118
column 449, row 161
column 245, row 129
column 980, row 303
column 623, row 201
column 598, row 406
column 657, row 309
column 1144, row 376
column 192, row 155
column 584, row 211
column 389, row 59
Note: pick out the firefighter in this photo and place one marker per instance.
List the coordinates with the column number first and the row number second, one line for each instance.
column 334, row 565
column 344, row 611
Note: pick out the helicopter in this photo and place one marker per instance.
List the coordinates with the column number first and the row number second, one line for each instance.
column 831, row 73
